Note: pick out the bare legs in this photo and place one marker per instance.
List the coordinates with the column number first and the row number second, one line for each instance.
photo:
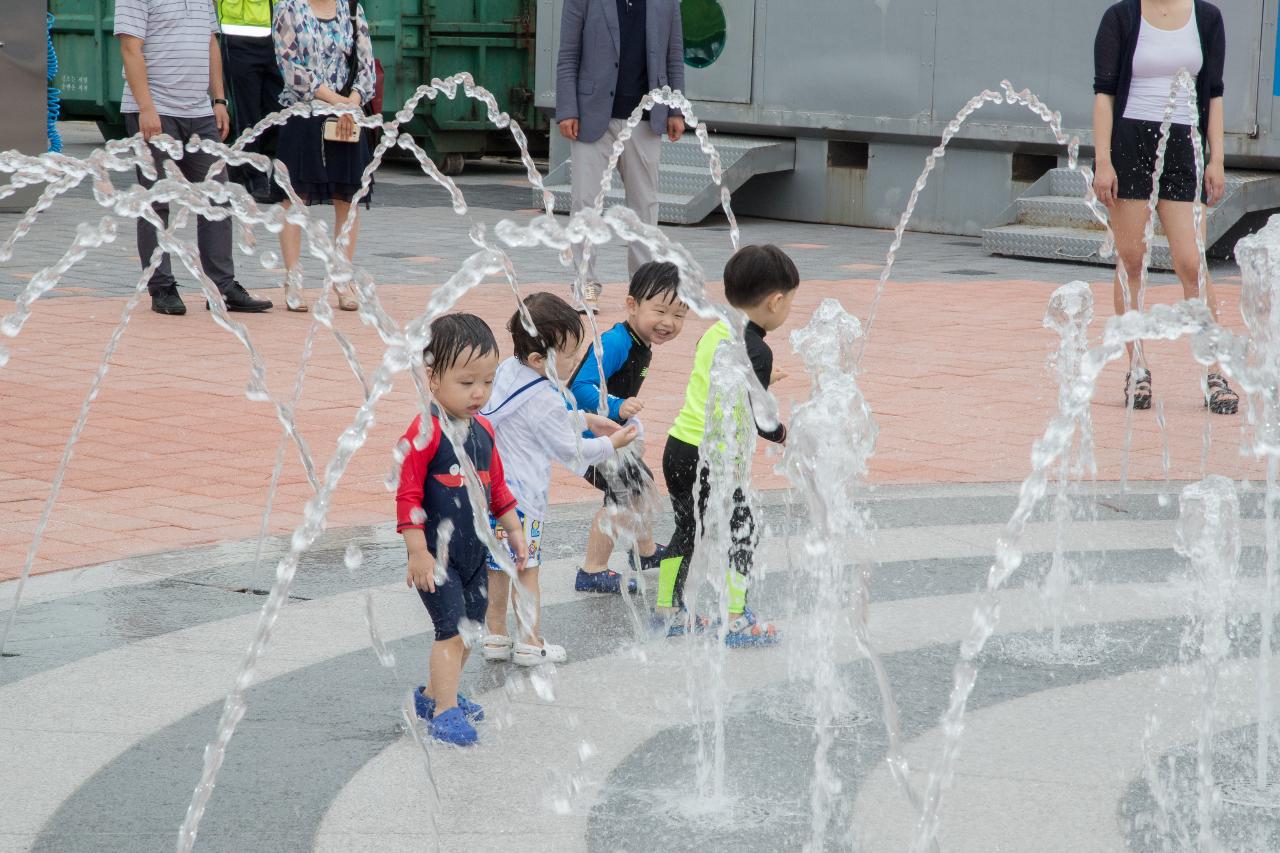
column 1129, row 221
column 500, row 594
column 600, row 546
column 448, row 657
column 291, row 247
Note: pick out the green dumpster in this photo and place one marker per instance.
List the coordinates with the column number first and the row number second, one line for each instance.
column 417, row 40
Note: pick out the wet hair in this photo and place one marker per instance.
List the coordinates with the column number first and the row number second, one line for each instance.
column 655, row 280
column 755, row 273
column 556, row 321
column 454, row 336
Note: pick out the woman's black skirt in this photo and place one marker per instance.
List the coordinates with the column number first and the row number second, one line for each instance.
column 322, row 171
column 1133, row 153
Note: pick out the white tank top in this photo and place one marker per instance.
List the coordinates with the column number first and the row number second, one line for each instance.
column 1158, row 58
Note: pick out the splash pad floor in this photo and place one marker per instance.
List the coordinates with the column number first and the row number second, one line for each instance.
column 120, row 671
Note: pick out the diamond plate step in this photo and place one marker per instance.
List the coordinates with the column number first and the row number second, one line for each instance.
column 686, row 193
column 1061, row 244
column 1052, row 221
column 1066, row 211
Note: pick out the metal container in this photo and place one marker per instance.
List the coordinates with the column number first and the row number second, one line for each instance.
column 867, row 87
column 90, row 69
column 416, row 40
column 24, row 86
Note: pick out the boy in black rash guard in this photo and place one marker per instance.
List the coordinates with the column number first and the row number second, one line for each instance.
column 655, row 315
column 761, row 282
column 433, row 511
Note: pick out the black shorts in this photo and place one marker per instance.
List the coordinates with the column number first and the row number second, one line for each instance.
column 630, row 481
column 1133, row 153
column 463, row 594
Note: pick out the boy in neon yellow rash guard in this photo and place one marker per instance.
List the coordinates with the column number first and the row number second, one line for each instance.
column 761, row 282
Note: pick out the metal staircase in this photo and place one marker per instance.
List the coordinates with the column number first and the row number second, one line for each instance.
column 1050, row 220
column 686, row 193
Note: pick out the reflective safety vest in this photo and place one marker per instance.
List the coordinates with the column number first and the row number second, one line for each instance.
column 245, row 17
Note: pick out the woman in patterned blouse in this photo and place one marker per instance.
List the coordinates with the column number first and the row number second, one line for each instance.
column 313, row 42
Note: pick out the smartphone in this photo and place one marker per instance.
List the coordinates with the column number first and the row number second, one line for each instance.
column 331, row 132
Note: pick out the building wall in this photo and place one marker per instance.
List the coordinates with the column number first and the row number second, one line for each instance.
column 892, row 73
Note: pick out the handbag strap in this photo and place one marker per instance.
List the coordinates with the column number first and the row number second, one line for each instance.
column 353, row 59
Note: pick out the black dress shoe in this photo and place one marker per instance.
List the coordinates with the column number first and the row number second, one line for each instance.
column 165, row 300
column 238, row 299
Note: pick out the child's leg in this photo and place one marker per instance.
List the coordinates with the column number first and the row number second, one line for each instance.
column 529, row 602
column 495, row 618
column 447, row 659
column 530, row 633
column 448, row 652
column 743, row 538
column 599, row 546
column 679, row 467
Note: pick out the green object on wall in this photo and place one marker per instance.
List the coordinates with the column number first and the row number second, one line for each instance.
column 704, row 31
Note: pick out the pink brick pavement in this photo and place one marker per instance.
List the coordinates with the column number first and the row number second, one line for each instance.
column 174, row 455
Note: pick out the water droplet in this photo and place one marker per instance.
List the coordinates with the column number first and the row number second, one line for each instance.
column 353, row 557
column 270, row 260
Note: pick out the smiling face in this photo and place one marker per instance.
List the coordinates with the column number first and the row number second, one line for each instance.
column 463, row 388
column 656, row 320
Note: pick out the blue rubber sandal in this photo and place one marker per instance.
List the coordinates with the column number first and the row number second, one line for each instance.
column 652, row 561
column 747, row 632
column 607, row 581
column 426, row 706
column 452, row 727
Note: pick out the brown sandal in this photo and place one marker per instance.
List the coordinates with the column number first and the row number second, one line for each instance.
column 293, row 294
column 1221, row 400
column 347, row 302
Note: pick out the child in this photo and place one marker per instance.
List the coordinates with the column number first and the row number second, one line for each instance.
column 760, row 281
column 655, row 315
column 434, row 513
column 534, row 426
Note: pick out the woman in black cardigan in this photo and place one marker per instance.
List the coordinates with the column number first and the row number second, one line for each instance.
column 1140, row 47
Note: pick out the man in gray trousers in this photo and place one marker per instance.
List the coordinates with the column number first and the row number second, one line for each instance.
column 613, row 52
column 173, row 85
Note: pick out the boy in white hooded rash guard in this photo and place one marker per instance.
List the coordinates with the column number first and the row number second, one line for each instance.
column 534, row 425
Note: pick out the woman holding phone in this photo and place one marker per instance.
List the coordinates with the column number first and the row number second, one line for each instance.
column 325, row 56
column 1140, row 48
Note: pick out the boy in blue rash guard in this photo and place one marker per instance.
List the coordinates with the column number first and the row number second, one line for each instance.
column 655, row 315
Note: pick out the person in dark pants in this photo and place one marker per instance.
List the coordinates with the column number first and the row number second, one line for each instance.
column 761, row 282
column 173, row 85
column 254, row 77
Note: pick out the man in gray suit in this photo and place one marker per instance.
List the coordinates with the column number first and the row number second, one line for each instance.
column 613, row 52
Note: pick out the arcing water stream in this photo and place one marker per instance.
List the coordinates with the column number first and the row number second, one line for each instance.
column 830, row 479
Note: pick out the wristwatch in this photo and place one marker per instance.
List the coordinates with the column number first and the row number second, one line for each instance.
column 222, row 101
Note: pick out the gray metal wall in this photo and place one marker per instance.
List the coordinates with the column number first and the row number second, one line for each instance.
column 23, row 86
column 892, row 74
column 904, row 67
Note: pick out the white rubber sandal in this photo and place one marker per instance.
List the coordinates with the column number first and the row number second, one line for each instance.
column 526, row 654
column 496, row 647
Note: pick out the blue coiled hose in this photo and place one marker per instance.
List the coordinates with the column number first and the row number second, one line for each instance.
column 55, row 139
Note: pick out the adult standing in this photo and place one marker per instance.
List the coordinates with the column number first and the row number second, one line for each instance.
column 245, row 27
column 1140, row 48
column 612, row 53
column 173, row 85
column 325, row 56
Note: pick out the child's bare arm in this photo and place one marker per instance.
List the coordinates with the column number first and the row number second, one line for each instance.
column 600, row 425
column 422, row 566
column 510, row 522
